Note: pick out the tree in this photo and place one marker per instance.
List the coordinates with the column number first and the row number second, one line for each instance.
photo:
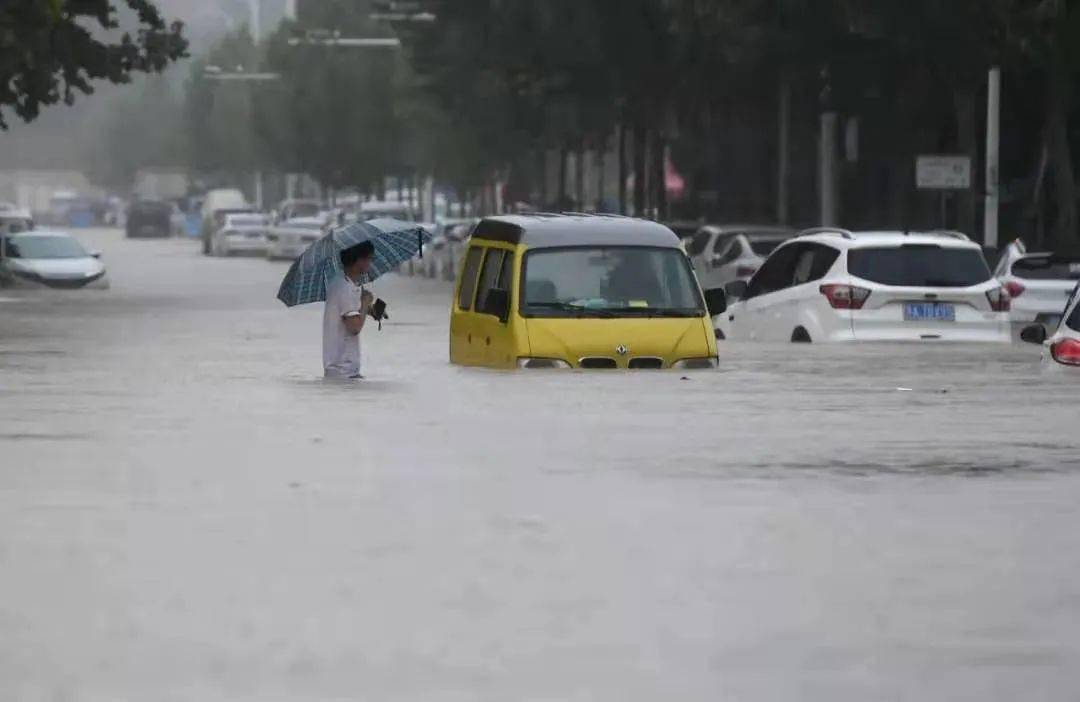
column 48, row 52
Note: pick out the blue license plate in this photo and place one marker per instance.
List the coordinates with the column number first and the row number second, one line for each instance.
column 929, row 312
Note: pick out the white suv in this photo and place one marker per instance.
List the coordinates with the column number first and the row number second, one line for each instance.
column 836, row 285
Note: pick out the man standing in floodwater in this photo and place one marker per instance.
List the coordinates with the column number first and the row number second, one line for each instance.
column 346, row 310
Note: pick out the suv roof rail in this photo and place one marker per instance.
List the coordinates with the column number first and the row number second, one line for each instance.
column 836, row 231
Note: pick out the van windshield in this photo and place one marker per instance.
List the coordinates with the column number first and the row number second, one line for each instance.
column 609, row 282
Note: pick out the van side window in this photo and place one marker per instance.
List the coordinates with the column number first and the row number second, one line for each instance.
column 468, row 278
column 506, row 277
column 489, row 276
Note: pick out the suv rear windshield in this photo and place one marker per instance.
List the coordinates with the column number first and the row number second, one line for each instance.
column 920, row 266
column 1047, row 268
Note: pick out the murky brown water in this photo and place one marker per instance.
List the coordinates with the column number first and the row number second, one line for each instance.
column 187, row 512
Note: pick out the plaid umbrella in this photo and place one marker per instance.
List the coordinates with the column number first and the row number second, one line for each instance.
column 395, row 243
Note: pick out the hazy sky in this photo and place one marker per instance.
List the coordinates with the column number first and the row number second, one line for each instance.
column 58, row 138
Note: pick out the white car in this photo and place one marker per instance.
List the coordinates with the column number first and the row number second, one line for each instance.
column 51, row 259
column 1063, row 348
column 829, row 285
column 290, row 239
column 243, row 233
column 13, row 221
column 723, row 254
column 442, row 255
column 1040, row 285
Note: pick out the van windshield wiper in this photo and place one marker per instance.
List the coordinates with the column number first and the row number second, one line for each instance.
column 571, row 307
column 657, row 312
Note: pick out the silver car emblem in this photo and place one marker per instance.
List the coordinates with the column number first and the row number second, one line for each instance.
column 621, row 350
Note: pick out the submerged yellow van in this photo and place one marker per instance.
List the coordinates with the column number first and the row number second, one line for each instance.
column 578, row 291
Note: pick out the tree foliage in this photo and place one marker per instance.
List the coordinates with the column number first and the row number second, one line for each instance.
column 50, row 50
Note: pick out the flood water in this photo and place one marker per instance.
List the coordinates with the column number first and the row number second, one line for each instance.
column 188, row 512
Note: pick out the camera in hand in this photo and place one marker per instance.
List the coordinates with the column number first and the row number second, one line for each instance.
column 377, row 311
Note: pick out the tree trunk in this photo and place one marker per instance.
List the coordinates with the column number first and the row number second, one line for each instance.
column 1057, row 139
column 579, row 178
column 541, row 168
column 601, row 165
column 622, row 169
column 563, row 167
column 967, row 144
column 639, row 170
column 659, row 180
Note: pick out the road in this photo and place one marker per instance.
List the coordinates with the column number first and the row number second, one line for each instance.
column 188, row 512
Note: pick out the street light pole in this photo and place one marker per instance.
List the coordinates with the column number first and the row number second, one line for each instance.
column 993, row 157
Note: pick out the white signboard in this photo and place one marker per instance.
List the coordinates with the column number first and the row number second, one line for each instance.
column 943, row 172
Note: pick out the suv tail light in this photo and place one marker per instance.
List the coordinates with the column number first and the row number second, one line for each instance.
column 745, row 271
column 1000, row 300
column 1066, row 351
column 845, row 297
column 1014, row 289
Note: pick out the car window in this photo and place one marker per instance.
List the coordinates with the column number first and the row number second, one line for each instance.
column 920, row 265
column 506, row 276
column 1073, row 322
column 776, row 273
column 489, row 276
column 1047, row 268
column 813, row 263
column 734, row 252
column 721, row 243
column 468, row 277
column 698, row 243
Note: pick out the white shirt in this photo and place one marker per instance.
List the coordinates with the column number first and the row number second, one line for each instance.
column 341, row 350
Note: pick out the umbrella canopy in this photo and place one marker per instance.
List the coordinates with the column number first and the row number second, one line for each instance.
column 395, row 243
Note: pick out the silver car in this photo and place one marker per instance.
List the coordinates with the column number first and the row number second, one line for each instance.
column 51, row 259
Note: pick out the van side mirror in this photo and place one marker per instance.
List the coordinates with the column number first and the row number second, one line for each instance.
column 716, row 301
column 497, row 304
column 1033, row 334
column 736, row 289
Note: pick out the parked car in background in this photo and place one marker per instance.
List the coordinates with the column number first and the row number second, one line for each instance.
column 48, row 258
column 241, row 233
column 442, row 254
column 1062, row 349
column 382, row 209
column 288, row 240
column 216, row 205
column 685, row 230
column 14, row 220
column 833, row 285
column 1040, row 285
column 722, row 254
column 149, row 218
column 292, row 209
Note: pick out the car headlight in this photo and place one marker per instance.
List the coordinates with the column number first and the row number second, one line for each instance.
column 696, row 363
column 536, row 363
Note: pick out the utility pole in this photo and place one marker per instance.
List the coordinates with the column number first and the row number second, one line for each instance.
column 993, row 157
column 783, row 155
column 827, row 168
